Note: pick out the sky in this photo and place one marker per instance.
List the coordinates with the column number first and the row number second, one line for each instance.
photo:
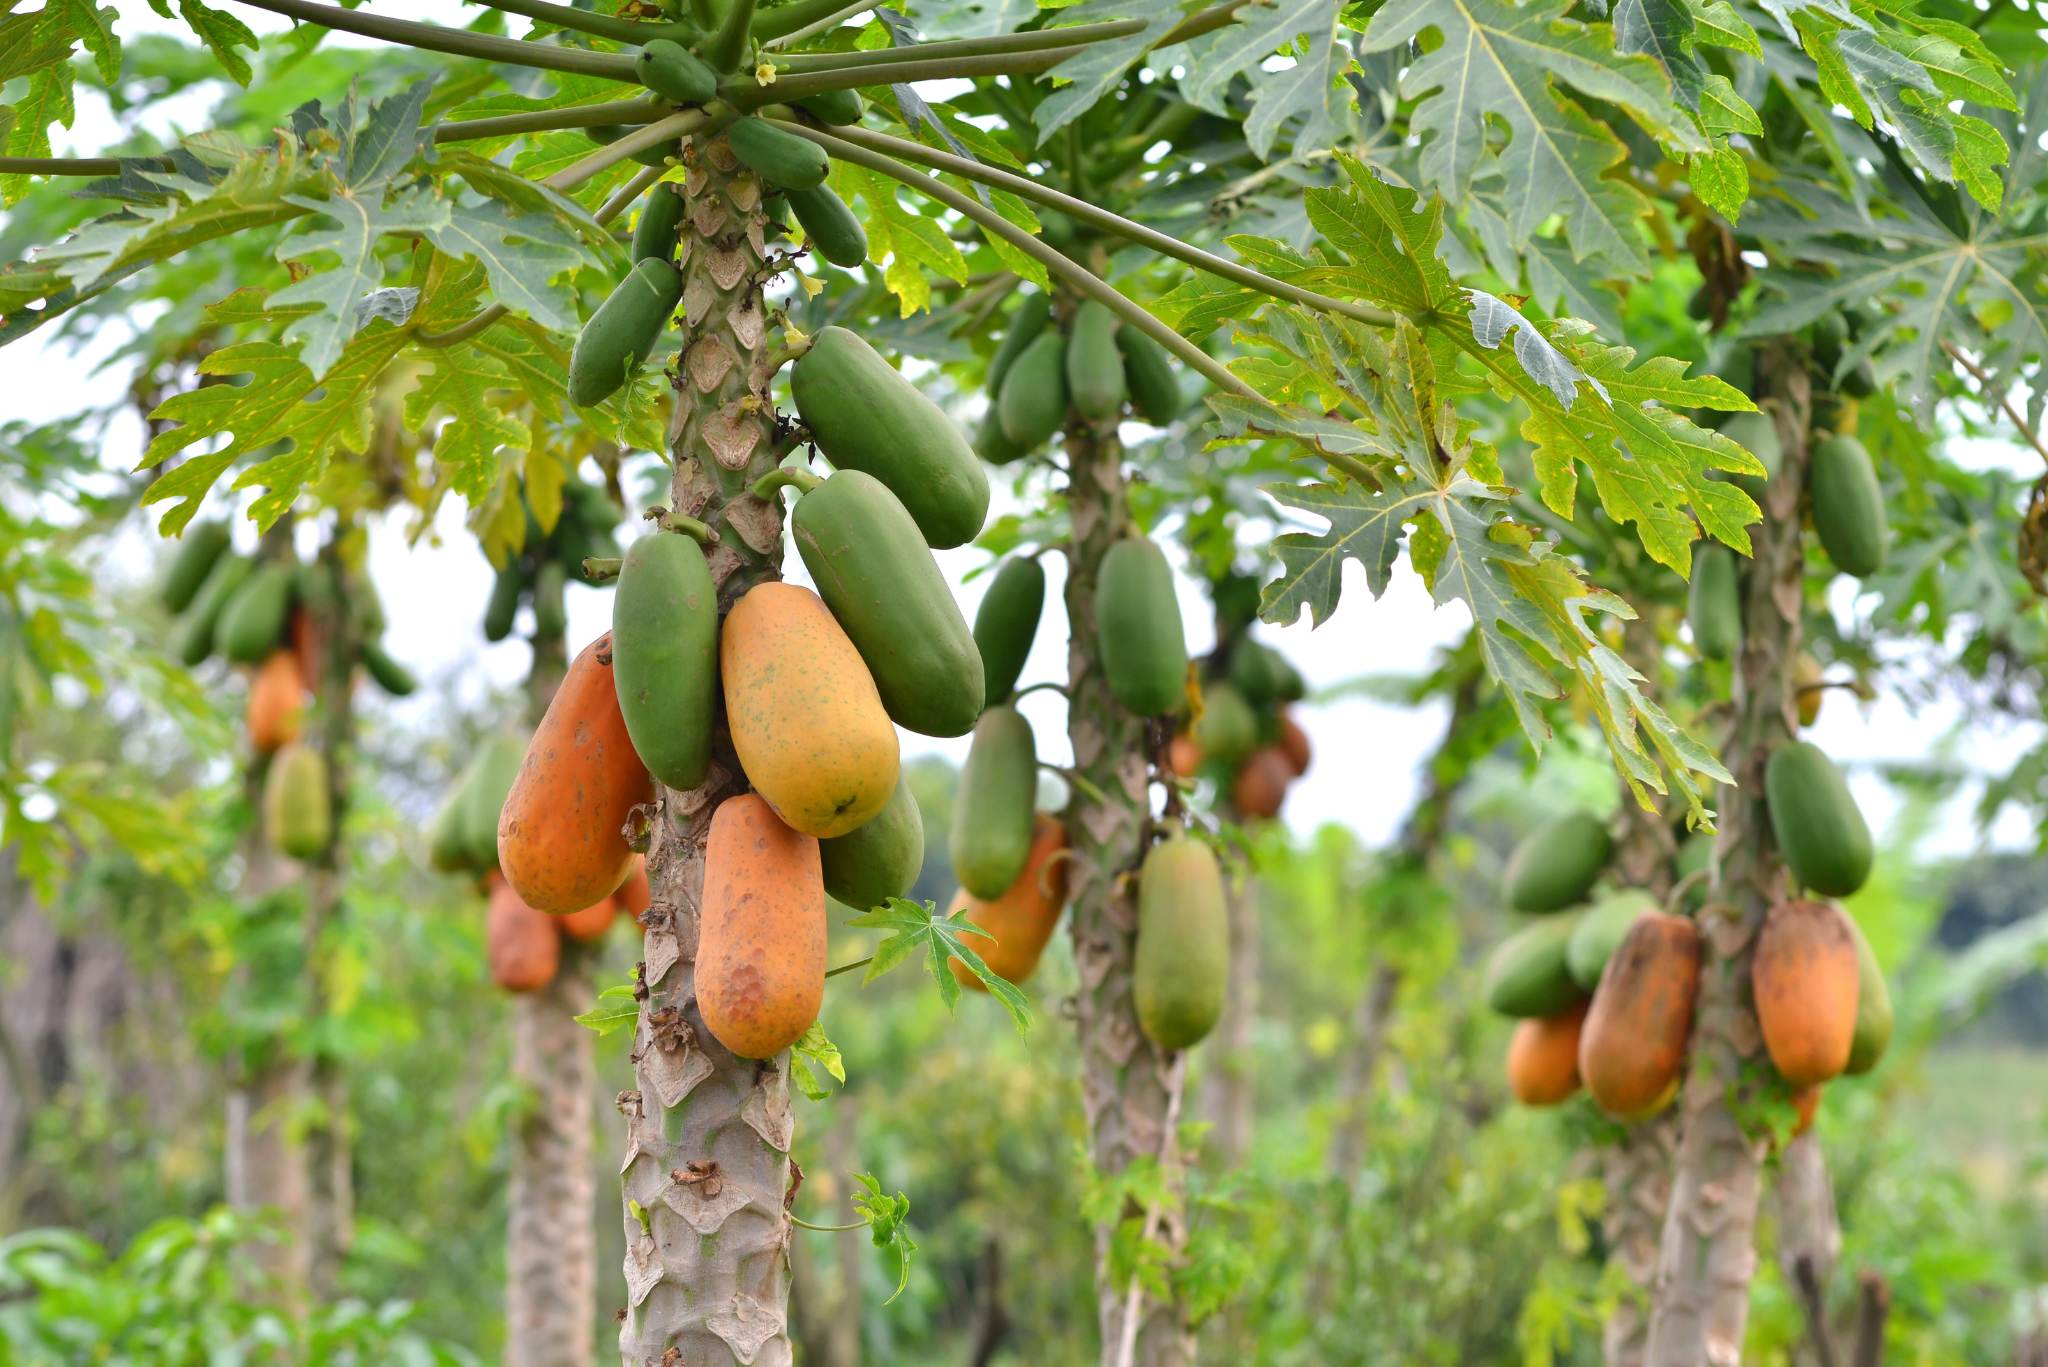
column 1367, row 753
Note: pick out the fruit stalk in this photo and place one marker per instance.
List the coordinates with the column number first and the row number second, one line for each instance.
column 1701, row 1299
column 708, row 1134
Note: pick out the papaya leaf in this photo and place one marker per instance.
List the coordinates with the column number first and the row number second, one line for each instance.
column 618, row 1007
column 1093, row 70
column 917, row 927
column 910, row 242
column 1306, row 97
column 46, row 101
column 221, row 32
column 888, row 1222
column 814, row 1047
column 359, row 223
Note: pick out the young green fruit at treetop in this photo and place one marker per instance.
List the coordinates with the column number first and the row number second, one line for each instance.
column 1529, row 973
column 1556, row 864
column 1149, row 374
column 1034, row 311
column 1256, row 671
column 1181, row 969
column 665, row 656
column 865, row 416
column 673, row 72
column 1033, row 400
column 623, row 331
column 1138, row 628
column 830, row 225
column 1601, row 930
column 1228, row 729
column 1819, row 829
column 297, row 814
column 1873, row 1007
column 992, row 817
column 253, row 622
column 876, row 574
column 1095, row 372
column 1848, row 506
column 202, row 623
column 879, row 860
column 201, row 547
column 661, row 220
column 483, row 797
column 550, row 612
column 992, row 444
column 391, row 676
column 504, row 603
column 785, row 160
column 444, row 838
column 837, row 107
column 1006, row 623
column 1714, row 604
column 1757, row 434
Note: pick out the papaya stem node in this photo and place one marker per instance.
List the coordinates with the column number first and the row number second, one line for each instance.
column 601, row 569
column 703, row 533
column 789, row 476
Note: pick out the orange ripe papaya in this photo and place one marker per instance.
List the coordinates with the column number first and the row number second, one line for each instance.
column 1262, row 780
column 1294, row 741
column 1804, row 976
column 590, row 923
column 1021, row 921
column 561, row 833
column 804, row 712
column 1543, row 1057
column 1184, row 755
column 634, row 895
column 522, row 944
column 761, row 945
column 277, row 702
column 1633, row 1042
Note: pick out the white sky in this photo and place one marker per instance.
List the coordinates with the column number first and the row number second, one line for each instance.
column 1367, row 754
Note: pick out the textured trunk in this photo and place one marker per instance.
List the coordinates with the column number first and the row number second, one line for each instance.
column 1708, row 1253
column 706, row 1171
column 1130, row 1088
column 1228, row 1094
column 1808, row 1234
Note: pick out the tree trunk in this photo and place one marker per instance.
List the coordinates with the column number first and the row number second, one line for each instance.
column 707, row 1170
column 1808, row 1232
column 1130, row 1087
column 1229, row 1096
column 1708, row 1253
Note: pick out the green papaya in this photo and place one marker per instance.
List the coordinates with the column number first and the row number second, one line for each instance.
column 873, row 862
column 879, row 579
column 1181, row 969
column 1137, row 626
column 197, row 553
column 608, row 133
column 445, row 849
column 665, row 656
column 1006, row 623
column 1695, row 859
column 1557, row 863
column 1255, row 671
column 1149, row 375
column 1095, row 372
column 483, row 797
column 1288, row 686
column 1034, row 311
column 783, row 159
column 623, row 331
column 992, row 444
column 1033, row 399
column 1859, row 381
column 550, row 611
column 1830, row 334
column 391, row 676
column 661, row 220
column 1228, row 729
column 202, row 621
column 1819, row 829
column 1873, row 1007
column 504, row 603
column 836, row 107
column 830, row 225
column 675, row 73
column 1756, row 433
column 1600, row 932
column 992, row 816
column 254, row 620
column 298, row 815
column 865, row 416
column 1529, row 974
column 1714, row 603
column 1848, row 506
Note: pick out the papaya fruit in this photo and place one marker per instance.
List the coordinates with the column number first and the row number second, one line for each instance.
column 1227, row 730
column 1095, row 372
column 1859, row 381
column 1873, row 1007
column 635, row 895
column 591, row 923
column 621, row 334
column 1803, row 976
column 550, row 610
column 783, row 159
column 1255, row 672
column 504, row 603
column 202, row 621
column 483, row 795
column 1032, row 404
column 674, row 72
column 253, row 622
column 879, row 860
column 1714, row 603
column 1261, row 783
column 1149, row 375
column 521, row 944
column 836, row 107
column 298, row 815
column 761, row 930
column 992, row 815
column 277, row 702
column 391, row 676
column 1806, row 688
column 1600, row 932
column 665, row 656
column 1634, row 1040
column 880, row 580
column 561, row 835
column 831, row 227
column 661, row 219
column 1756, row 433
column 308, row 645
column 1543, row 1057
column 1294, row 742
column 445, row 850
column 1556, row 864
column 990, row 442
column 1034, row 311
column 1288, row 685
column 1006, row 623
column 1184, row 755
column 1528, row 975
column 865, row 416
column 1021, row 921
column 1819, row 829
column 199, row 550
column 1138, row 628
column 1181, row 967
column 805, row 718
column 1848, row 506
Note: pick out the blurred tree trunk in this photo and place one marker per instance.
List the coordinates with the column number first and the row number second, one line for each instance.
column 1808, row 1232
column 1708, row 1254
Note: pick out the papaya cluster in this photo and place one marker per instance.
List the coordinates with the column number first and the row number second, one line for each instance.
column 1246, row 738
column 1089, row 367
column 546, row 562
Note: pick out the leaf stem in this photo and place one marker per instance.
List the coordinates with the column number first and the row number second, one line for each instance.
column 551, row 120
column 787, row 477
column 848, row 968
column 64, row 166
column 614, row 27
column 1036, row 40
column 2004, row 399
column 826, row 1229
column 627, row 193
column 457, row 42
column 1050, row 686
column 796, row 22
column 729, row 44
